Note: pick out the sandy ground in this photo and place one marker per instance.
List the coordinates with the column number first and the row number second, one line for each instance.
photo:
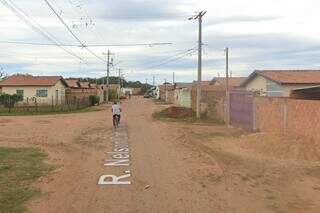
column 175, row 167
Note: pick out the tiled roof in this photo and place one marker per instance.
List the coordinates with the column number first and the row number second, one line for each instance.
column 293, row 76
column 72, row 83
column 93, row 86
column 29, row 80
column 183, row 85
column 232, row 81
column 84, row 85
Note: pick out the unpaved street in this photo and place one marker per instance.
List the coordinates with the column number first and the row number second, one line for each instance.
column 174, row 167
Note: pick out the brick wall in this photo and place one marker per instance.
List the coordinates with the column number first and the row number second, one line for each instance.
column 268, row 113
column 299, row 117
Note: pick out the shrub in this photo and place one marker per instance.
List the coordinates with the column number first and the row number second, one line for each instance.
column 9, row 101
column 94, row 100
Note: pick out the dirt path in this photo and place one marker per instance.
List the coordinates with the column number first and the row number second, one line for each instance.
column 174, row 167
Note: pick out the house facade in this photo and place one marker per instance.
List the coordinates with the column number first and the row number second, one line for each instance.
column 43, row 89
column 280, row 83
column 182, row 94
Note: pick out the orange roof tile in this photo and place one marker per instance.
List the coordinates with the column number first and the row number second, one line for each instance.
column 72, row 83
column 292, row 76
column 29, row 80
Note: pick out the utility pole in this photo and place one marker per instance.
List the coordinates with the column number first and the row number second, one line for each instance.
column 173, row 78
column 165, row 90
column 119, row 73
column 108, row 54
column 199, row 17
column 227, row 86
column 153, row 80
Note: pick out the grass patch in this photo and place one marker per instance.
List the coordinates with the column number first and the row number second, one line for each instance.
column 19, row 168
column 49, row 111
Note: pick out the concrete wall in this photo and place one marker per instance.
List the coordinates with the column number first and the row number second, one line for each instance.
column 29, row 92
column 183, row 97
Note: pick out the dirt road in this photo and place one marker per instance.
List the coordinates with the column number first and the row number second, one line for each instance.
column 173, row 167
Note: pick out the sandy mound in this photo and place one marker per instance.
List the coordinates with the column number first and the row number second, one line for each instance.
column 178, row 112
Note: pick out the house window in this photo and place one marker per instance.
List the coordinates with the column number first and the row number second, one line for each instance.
column 273, row 89
column 42, row 93
column 19, row 92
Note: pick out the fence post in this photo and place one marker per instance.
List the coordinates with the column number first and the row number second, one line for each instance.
column 285, row 115
column 9, row 103
column 254, row 125
column 52, row 103
column 36, row 104
column 28, row 104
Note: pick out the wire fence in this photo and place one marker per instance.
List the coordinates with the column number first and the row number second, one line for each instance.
column 42, row 105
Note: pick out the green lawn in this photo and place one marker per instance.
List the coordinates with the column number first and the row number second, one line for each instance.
column 19, row 168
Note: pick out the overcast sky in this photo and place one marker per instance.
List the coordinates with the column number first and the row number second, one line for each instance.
column 264, row 34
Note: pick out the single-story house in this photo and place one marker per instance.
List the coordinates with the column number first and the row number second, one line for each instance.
column 163, row 92
column 43, row 89
column 182, row 94
column 280, row 83
column 78, row 90
column 233, row 82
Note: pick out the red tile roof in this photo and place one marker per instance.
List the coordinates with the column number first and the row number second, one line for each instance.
column 72, row 83
column 93, row 86
column 84, row 85
column 29, row 80
column 232, row 81
column 293, row 76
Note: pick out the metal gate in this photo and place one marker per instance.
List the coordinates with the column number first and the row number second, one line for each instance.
column 241, row 109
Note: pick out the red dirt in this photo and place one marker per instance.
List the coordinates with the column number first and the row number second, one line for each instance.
column 176, row 167
column 178, row 112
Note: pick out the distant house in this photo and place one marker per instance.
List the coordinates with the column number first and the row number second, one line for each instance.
column 77, row 89
column 165, row 91
column 233, row 82
column 280, row 83
column 46, row 89
column 182, row 94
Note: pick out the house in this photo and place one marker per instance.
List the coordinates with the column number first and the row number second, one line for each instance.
column 233, row 82
column 280, row 83
column 79, row 90
column 43, row 89
column 182, row 94
column 163, row 91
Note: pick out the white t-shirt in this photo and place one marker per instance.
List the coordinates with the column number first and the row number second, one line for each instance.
column 116, row 110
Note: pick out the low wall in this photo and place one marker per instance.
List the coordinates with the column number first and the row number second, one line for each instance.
column 299, row 117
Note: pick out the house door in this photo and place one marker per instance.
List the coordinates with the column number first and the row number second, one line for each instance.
column 57, row 97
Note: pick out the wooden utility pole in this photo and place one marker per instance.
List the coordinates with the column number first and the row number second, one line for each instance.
column 199, row 18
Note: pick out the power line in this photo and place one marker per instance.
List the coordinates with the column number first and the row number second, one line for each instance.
column 35, row 26
column 170, row 61
column 74, row 45
column 82, row 45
